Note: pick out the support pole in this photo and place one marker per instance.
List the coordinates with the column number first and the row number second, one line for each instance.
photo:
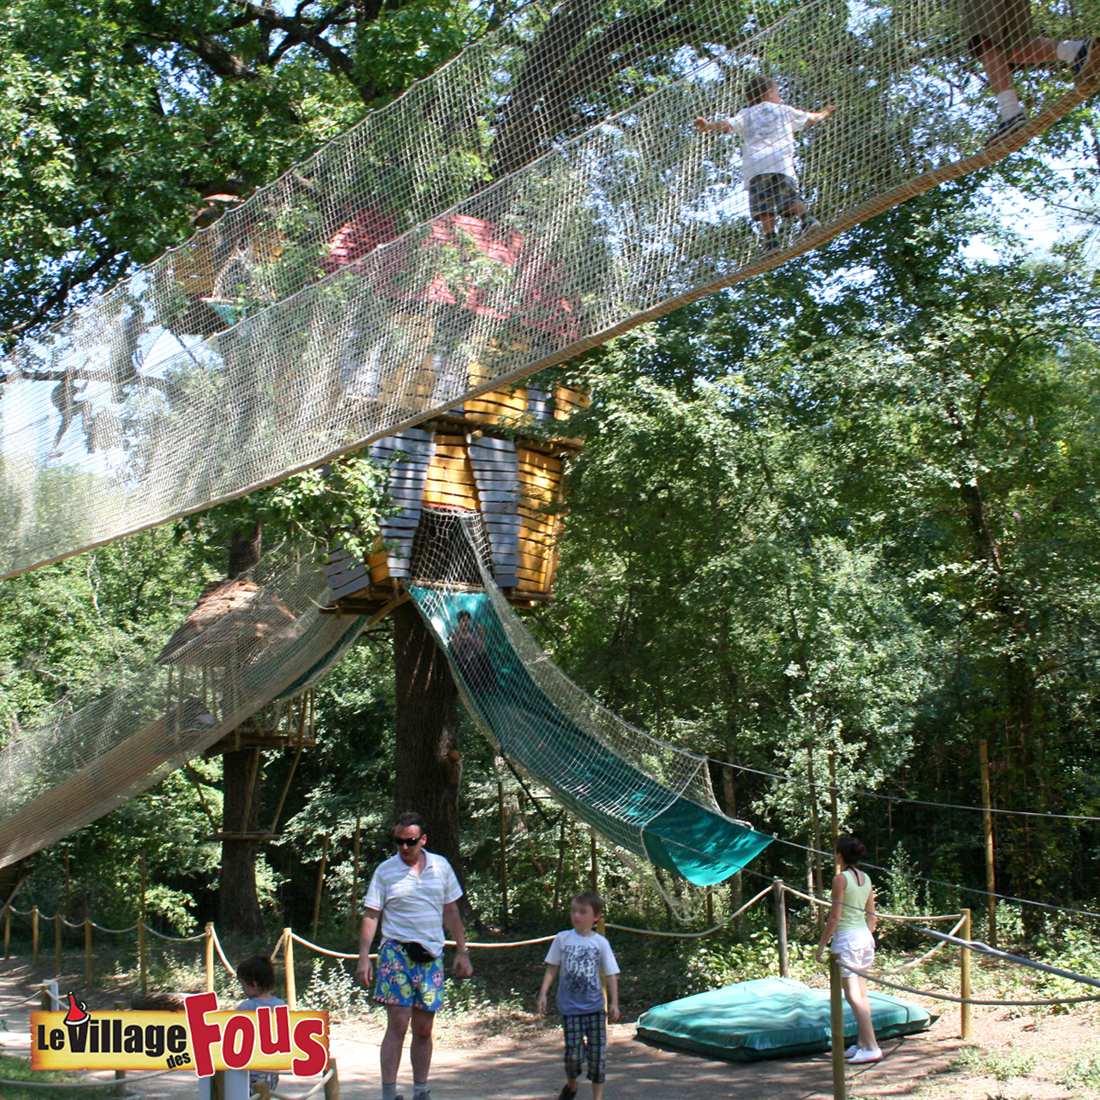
column 88, row 952
column 34, row 935
column 320, row 885
column 355, row 875
column 142, row 968
column 987, row 829
column 815, row 823
column 332, row 1085
column 780, row 892
column 58, row 925
column 594, row 869
column 559, row 871
column 833, row 810
column 503, row 853
column 710, row 907
column 288, row 959
column 209, row 944
column 964, row 979
column 836, row 1020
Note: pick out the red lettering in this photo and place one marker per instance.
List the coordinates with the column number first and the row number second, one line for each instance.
column 203, row 1035
column 277, row 1042
column 315, row 1058
column 243, row 1028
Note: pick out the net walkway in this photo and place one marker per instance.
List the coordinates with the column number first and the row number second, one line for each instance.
column 64, row 774
column 649, row 798
column 541, row 193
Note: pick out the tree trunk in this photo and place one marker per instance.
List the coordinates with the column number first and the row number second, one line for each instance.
column 428, row 764
column 238, row 906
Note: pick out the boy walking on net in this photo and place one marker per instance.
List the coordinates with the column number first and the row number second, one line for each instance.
column 580, row 954
column 767, row 127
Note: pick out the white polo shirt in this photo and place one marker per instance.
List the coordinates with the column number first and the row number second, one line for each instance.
column 411, row 903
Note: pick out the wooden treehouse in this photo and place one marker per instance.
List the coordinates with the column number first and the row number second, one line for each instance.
column 497, row 455
column 205, row 683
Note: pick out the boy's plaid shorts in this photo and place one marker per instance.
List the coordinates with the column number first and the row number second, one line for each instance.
column 586, row 1035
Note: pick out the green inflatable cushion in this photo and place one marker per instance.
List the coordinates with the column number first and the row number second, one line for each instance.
column 768, row 1018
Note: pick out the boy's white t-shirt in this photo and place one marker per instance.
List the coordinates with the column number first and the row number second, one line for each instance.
column 581, row 958
column 767, row 131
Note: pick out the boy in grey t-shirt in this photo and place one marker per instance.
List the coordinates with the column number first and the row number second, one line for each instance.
column 582, row 955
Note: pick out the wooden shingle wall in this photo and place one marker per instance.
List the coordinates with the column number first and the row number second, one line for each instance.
column 413, row 450
column 495, row 464
column 512, row 483
column 541, row 485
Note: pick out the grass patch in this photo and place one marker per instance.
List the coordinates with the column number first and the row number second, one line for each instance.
column 14, row 1068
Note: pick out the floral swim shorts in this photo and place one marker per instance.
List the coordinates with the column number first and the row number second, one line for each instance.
column 401, row 981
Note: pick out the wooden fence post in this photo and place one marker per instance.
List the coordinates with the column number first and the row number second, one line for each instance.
column 836, row 1020
column 781, row 927
column 34, row 935
column 120, row 1074
column 332, row 1085
column 209, row 957
column 964, row 979
column 57, row 927
column 88, row 951
column 288, row 959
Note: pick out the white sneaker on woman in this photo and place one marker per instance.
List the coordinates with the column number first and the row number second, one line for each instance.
column 862, row 1056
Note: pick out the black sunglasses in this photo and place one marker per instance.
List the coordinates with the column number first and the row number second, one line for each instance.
column 407, row 842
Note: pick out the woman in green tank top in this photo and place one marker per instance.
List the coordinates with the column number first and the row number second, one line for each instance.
column 850, row 926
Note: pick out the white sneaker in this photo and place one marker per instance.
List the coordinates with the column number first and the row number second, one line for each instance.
column 851, row 1050
column 862, row 1057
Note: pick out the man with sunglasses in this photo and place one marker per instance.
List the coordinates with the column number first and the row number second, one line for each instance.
column 415, row 892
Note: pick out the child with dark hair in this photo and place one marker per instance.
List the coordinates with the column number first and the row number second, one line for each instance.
column 767, row 127
column 581, row 954
column 850, row 926
column 257, row 978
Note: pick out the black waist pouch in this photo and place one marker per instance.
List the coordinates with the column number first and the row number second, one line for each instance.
column 418, row 953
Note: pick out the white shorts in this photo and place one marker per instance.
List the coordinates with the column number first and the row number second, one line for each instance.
column 856, row 947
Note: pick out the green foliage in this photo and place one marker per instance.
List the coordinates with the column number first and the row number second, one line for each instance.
column 1084, row 1072
column 342, row 502
column 1002, row 1067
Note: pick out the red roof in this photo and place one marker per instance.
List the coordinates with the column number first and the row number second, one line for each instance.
column 540, row 284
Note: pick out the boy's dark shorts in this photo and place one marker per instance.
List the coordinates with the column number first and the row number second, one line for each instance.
column 1005, row 24
column 772, row 193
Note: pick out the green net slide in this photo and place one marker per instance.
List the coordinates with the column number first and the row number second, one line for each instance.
column 651, row 799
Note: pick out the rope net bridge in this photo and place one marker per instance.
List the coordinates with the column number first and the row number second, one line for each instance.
column 541, row 193
column 652, row 800
column 77, row 766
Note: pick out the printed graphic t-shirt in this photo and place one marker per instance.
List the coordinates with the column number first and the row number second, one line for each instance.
column 581, row 959
column 767, row 131
column 411, row 904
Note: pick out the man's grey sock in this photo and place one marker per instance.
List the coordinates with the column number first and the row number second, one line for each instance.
column 389, row 1092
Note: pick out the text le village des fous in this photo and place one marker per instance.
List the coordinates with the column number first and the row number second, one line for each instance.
column 199, row 1038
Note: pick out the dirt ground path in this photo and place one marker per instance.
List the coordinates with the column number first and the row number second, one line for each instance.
column 471, row 1063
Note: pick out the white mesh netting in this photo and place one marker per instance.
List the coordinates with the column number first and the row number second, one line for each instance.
column 651, row 799
column 542, row 192
column 272, row 645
